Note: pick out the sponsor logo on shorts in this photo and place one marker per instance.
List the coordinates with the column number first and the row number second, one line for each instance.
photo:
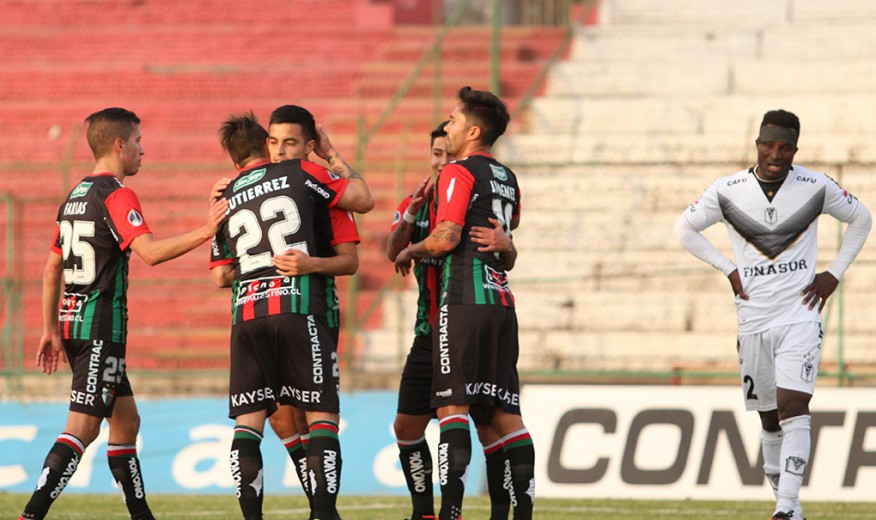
column 93, row 367
column 315, row 350
column 490, row 389
column 255, row 396
column 443, row 343
column 304, row 396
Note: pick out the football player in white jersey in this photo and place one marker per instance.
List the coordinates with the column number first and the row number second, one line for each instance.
column 771, row 212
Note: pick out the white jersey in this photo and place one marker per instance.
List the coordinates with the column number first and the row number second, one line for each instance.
column 774, row 242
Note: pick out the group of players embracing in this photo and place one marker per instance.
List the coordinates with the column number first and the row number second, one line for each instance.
column 282, row 229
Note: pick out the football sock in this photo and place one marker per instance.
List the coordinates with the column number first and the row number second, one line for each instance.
column 771, row 444
column 324, row 468
column 520, row 472
column 247, row 471
column 302, row 471
column 500, row 498
column 416, row 463
column 125, row 467
column 58, row 468
column 454, row 456
column 796, row 442
column 298, row 454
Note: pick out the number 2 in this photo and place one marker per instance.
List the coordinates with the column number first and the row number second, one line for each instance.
column 750, row 393
column 246, row 224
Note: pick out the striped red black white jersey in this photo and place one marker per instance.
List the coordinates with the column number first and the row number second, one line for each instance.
column 774, row 241
column 96, row 224
column 470, row 191
column 427, row 271
column 334, row 226
column 272, row 209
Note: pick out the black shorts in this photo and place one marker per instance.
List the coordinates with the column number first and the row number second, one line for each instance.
column 415, row 388
column 99, row 375
column 474, row 356
column 287, row 358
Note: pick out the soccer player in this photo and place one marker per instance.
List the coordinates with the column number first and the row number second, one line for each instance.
column 293, row 134
column 99, row 224
column 475, row 349
column 280, row 350
column 411, row 224
column 771, row 212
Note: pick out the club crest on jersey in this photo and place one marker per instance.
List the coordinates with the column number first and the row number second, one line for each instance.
column 134, row 218
column 80, row 190
column 499, row 172
column 251, row 178
column 770, row 215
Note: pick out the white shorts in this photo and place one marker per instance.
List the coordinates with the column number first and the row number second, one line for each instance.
column 785, row 357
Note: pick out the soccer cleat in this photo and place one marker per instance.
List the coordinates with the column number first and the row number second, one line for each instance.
column 782, row 515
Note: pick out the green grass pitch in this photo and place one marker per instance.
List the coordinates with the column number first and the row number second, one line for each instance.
column 224, row 507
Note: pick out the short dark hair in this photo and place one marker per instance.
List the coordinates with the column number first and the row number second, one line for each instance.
column 242, row 138
column 106, row 125
column 439, row 132
column 485, row 110
column 294, row 114
column 781, row 118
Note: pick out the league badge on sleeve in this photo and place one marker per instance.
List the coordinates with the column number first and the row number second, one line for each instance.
column 134, row 218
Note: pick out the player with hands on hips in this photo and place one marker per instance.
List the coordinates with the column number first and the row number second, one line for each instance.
column 771, row 213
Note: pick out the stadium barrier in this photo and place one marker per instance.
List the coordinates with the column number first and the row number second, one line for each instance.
column 591, row 442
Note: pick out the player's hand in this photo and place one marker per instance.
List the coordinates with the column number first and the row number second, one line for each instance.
column 404, row 261
column 219, row 188
column 736, row 284
column 323, row 144
column 217, row 213
column 491, row 239
column 819, row 290
column 421, row 195
column 294, row 262
column 50, row 353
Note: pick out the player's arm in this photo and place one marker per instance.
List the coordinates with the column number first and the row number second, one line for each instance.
column 403, row 230
column 441, row 241
column 50, row 349
column 223, row 275
column 297, row 263
column 154, row 251
column 357, row 197
column 826, row 282
column 494, row 240
column 693, row 240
